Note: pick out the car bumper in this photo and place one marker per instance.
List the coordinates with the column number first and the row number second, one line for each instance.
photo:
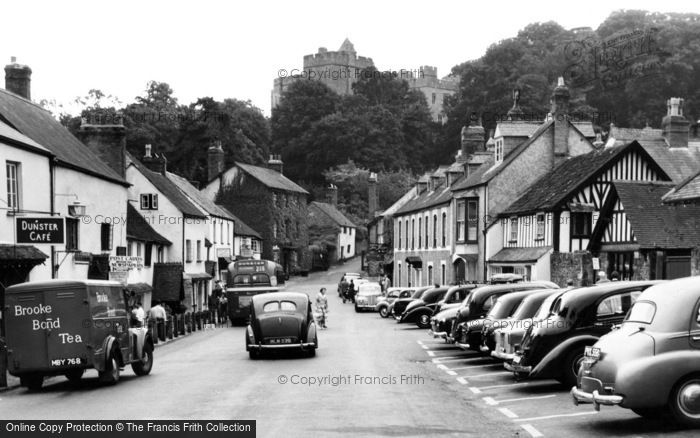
column 365, row 306
column 517, row 368
column 442, row 335
column 580, row 396
column 484, row 349
column 502, row 355
column 264, row 347
column 462, row 346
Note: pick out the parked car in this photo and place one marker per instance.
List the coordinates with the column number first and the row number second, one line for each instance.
column 505, row 278
column 480, row 301
column 281, row 321
column 367, row 295
column 454, row 297
column 63, row 327
column 473, row 331
column 446, row 313
column 650, row 364
column 384, row 303
column 508, row 337
column 400, row 305
column 554, row 348
column 421, row 310
column 520, row 317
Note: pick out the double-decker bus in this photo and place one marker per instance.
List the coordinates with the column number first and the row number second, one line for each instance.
column 247, row 278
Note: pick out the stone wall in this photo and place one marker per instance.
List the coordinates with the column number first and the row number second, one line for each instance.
column 577, row 266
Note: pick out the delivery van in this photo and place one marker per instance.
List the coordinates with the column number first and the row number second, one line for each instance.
column 63, row 327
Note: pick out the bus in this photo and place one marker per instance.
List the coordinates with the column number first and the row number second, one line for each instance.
column 247, row 278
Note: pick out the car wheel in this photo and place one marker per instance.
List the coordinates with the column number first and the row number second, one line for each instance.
column 33, row 381
column 657, row 413
column 75, row 375
column 572, row 363
column 110, row 375
column 384, row 312
column 357, row 309
column 684, row 402
column 143, row 367
column 423, row 321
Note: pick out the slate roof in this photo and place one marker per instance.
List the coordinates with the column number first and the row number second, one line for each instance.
column 428, row 199
column 241, row 228
column 678, row 163
column 12, row 136
column 271, row 178
column 38, row 124
column 486, row 172
column 556, row 186
column 686, row 191
column 655, row 224
column 517, row 129
column 138, row 228
column 585, row 128
column 330, row 211
column 520, row 255
column 168, row 188
column 198, row 197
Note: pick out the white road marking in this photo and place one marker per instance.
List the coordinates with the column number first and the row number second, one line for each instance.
column 525, row 398
column 504, row 386
column 487, row 374
column 425, row 347
column 475, row 390
column 462, row 380
column 420, row 342
column 430, row 353
column 451, row 373
column 442, row 367
column 478, row 366
column 454, row 359
column 534, row 433
column 508, row 413
column 490, row 401
column 578, row 414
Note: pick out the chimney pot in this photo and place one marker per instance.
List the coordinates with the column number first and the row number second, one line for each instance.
column 13, row 59
column 148, row 151
column 18, row 79
column 675, row 127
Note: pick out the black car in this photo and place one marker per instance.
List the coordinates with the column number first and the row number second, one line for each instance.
column 445, row 313
column 401, row 304
column 454, row 297
column 480, row 301
column 472, row 331
column 421, row 310
column 554, row 347
column 281, row 321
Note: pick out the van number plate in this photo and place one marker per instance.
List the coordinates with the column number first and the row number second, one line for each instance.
column 66, row 361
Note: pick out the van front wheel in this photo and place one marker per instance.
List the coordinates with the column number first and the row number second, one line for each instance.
column 110, row 375
column 143, row 367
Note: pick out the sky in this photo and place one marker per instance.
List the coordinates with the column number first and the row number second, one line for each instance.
column 227, row 49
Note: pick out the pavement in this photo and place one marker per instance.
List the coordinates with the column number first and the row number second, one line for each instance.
column 371, row 377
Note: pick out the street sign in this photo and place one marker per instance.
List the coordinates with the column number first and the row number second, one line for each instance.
column 40, row 230
column 596, row 263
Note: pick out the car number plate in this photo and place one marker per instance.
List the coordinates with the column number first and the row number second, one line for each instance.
column 66, row 361
column 244, row 301
column 592, row 352
column 517, row 359
column 281, row 341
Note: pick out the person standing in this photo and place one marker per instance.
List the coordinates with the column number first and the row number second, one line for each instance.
column 322, row 307
column 351, row 291
column 158, row 315
column 138, row 315
column 223, row 309
column 602, row 277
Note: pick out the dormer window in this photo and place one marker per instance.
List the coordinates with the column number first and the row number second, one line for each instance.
column 149, row 201
column 499, row 150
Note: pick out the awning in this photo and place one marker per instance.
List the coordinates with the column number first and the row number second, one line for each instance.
column 224, row 262
column 415, row 261
column 197, row 276
column 520, row 255
column 468, row 258
column 139, row 288
column 24, row 256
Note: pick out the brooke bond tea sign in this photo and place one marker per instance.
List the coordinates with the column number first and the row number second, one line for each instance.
column 40, row 230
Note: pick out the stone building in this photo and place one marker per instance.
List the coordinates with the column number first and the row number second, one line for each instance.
column 330, row 228
column 435, row 90
column 270, row 203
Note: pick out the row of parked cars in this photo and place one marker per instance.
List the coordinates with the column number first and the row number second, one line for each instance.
column 635, row 344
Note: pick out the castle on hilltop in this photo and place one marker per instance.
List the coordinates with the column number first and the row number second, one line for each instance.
column 342, row 68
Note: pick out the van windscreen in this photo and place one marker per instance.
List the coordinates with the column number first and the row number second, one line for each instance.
column 106, row 303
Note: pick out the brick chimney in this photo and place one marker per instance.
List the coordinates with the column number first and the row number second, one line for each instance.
column 472, row 139
column 372, row 200
column 18, row 79
column 422, row 183
column 675, row 128
column 332, row 195
column 515, row 113
column 215, row 160
column 560, row 113
column 107, row 137
column 154, row 162
column 275, row 163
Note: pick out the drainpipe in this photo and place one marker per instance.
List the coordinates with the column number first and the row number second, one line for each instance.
column 52, row 189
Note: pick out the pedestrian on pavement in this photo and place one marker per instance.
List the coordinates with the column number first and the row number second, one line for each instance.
column 351, row 290
column 385, row 283
column 138, row 315
column 158, row 315
column 343, row 287
column 322, row 307
column 213, row 304
column 223, row 310
column 602, row 277
column 615, row 276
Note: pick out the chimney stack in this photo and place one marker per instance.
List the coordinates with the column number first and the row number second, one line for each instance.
column 107, row 137
column 332, row 195
column 472, row 138
column 560, row 113
column 516, row 113
column 275, row 163
column 215, row 160
column 372, row 201
column 154, row 162
column 675, row 128
column 18, row 79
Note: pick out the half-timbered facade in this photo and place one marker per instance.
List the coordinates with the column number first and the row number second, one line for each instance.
column 547, row 232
